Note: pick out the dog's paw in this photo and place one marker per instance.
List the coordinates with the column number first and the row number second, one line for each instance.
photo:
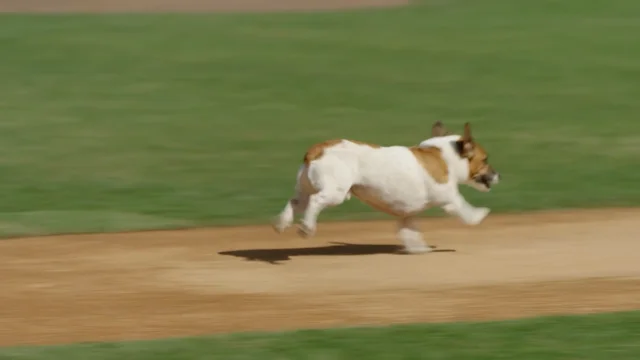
column 479, row 215
column 278, row 229
column 280, row 224
column 450, row 209
column 413, row 243
column 306, row 231
column 416, row 250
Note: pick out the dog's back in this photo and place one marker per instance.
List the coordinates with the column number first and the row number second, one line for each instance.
column 393, row 179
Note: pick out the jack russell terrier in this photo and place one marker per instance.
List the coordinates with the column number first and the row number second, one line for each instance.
column 398, row 180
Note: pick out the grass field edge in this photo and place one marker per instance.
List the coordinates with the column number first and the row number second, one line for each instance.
column 357, row 220
column 353, row 332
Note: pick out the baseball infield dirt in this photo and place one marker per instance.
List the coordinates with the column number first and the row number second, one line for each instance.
column 160, row 284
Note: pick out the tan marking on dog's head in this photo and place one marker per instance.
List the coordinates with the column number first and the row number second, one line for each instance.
column 317, row 150
column 479, row 169
column 432, row 161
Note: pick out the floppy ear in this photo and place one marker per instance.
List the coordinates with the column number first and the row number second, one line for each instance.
column 438, row 129
column 465, row 144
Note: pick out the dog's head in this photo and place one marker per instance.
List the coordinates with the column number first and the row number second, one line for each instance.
column 481, row 175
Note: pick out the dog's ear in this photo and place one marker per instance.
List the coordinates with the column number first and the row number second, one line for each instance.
column 438, row 130
column 465, row 145
column 466, row 136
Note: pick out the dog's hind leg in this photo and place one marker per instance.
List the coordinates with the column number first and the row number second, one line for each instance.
column 411, row 236
column 286, row 216
column 328, row 197
column 295, row 206
column 333, row 184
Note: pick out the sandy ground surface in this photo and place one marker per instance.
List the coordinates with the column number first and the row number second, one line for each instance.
column 161, row 284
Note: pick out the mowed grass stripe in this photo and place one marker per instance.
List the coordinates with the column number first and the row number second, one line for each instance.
column 190, row 120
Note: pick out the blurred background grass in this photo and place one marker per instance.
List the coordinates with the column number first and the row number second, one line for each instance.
column 151, row 121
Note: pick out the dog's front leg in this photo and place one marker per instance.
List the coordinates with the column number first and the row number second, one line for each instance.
column 411, row 236
column 458, row 206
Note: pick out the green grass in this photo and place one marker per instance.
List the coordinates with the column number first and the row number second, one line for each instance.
column 150, row 121
column 595, row 337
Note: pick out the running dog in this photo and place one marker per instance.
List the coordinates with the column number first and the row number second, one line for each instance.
column 398, row 180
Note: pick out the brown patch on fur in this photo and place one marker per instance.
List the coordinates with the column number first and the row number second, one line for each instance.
column 317, row 150
column 431, row 160
column 478, row 162
column 369, row 198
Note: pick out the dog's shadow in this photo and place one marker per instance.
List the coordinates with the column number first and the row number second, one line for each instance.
column 275, row 256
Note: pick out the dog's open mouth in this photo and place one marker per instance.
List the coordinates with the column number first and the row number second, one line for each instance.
column 484, row 180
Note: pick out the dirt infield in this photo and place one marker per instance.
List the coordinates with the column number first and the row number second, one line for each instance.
column 160, row 284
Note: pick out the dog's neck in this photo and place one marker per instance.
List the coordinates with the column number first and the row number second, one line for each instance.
column 458, row 166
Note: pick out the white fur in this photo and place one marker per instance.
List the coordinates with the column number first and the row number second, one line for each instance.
column 390, row 174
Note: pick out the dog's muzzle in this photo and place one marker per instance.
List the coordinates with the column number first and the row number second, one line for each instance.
column 488, row 180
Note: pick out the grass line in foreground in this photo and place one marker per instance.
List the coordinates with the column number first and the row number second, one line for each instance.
column 603, row 336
